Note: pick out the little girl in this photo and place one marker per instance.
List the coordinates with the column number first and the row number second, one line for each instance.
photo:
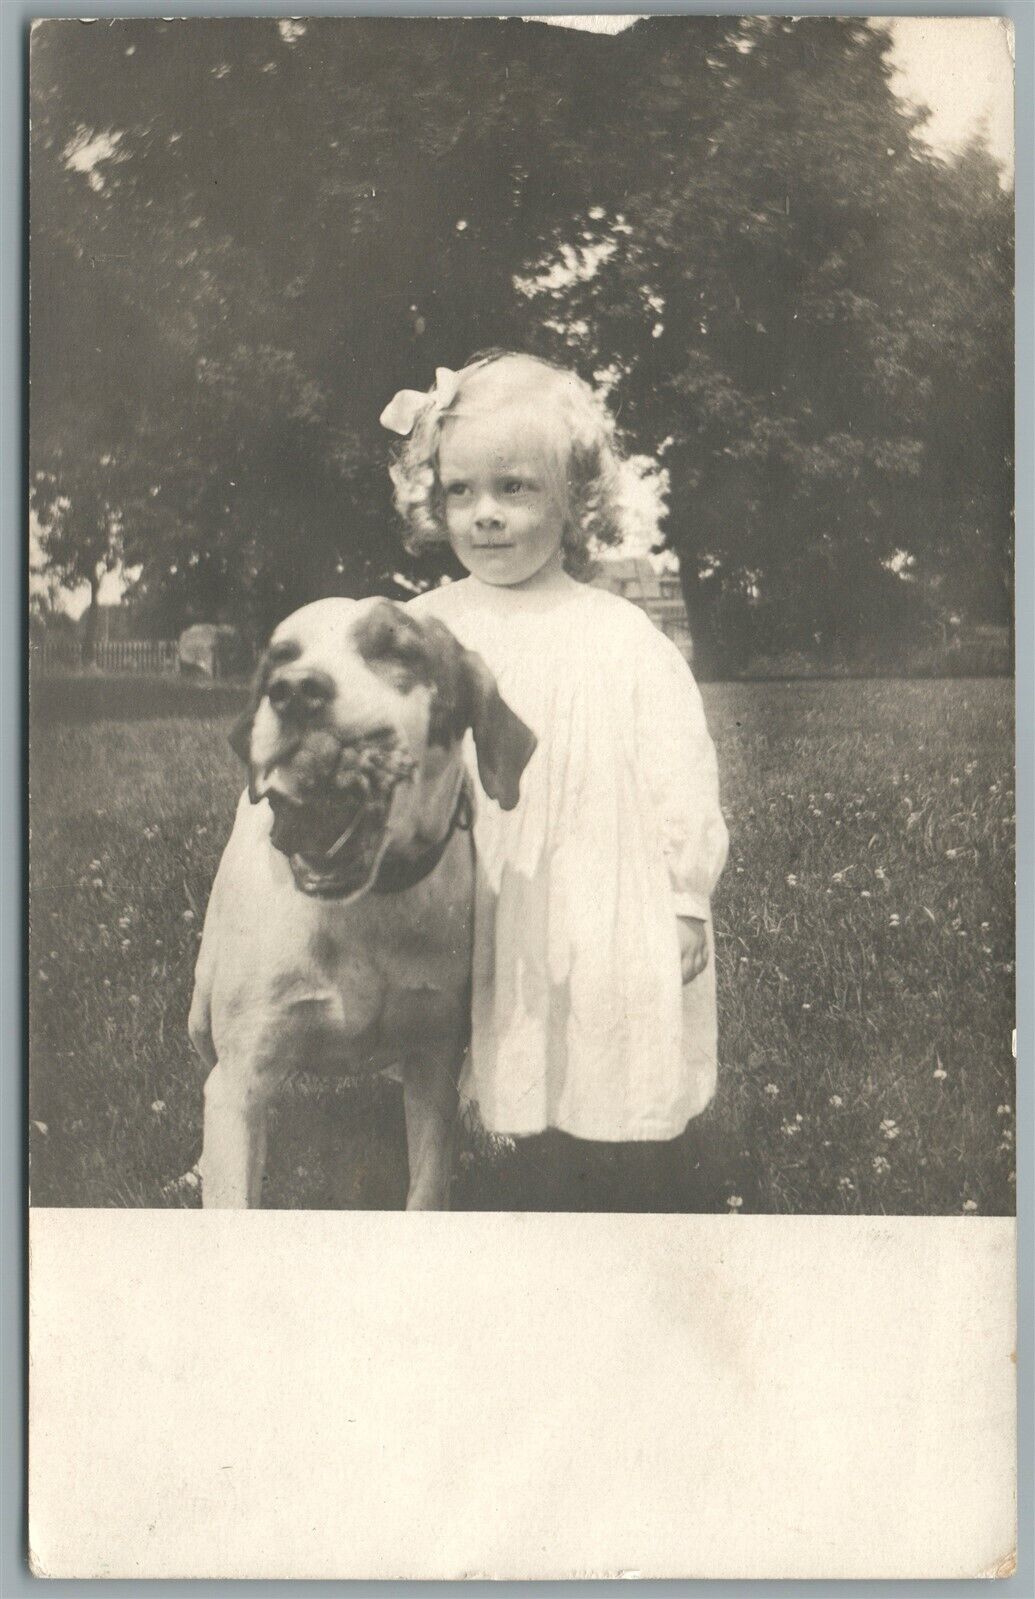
column 593, row 1004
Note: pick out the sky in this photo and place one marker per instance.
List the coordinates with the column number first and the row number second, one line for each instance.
column 961, row 68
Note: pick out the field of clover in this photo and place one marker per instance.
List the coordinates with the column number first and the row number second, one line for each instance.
column 864, row 944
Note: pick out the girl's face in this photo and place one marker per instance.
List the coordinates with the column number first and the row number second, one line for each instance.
column 503, row 504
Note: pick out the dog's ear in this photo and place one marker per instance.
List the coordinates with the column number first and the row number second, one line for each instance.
column 413, row 649
column 240, row 735
column 466, row 696
column 241, row 732
column 503, row 744
column 273, row 655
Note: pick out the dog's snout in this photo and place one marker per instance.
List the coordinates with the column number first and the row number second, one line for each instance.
column 299, row 695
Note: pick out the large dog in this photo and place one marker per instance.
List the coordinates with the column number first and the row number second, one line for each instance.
column 338, row 932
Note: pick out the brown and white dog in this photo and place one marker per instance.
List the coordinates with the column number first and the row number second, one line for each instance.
column 338, row 932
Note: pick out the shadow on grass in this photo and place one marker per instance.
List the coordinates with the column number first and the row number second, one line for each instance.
column 127, row 698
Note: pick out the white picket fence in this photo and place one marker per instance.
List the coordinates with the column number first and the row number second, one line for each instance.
column 112, row 655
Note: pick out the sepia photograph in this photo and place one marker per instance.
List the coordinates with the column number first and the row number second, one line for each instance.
column 521, row 615
column 521, row 658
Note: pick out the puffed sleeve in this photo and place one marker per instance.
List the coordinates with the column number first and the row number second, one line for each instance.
column 680, row 772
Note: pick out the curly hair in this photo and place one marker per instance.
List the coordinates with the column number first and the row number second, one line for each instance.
column 590, row 460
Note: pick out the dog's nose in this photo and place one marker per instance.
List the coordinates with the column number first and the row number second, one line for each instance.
column 299, row 697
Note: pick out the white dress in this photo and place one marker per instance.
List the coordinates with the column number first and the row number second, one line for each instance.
column 579, row 1018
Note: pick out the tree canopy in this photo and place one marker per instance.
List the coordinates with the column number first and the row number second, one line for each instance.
column 247, row 234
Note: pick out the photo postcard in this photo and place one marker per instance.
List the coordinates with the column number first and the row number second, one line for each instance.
column 521, row 785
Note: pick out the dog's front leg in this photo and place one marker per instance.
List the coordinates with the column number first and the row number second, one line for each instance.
column 233, row 1155
column 430, row 1101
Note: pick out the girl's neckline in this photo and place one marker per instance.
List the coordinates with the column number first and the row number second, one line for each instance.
column 552, row 586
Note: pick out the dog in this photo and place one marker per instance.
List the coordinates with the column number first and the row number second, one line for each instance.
column 338, row 933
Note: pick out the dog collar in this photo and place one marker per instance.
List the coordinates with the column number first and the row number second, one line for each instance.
column 397, row 873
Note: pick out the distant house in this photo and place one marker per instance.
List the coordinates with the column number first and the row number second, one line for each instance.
column 657, row 593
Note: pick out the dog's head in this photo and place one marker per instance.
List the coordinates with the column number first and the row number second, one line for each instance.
column 354, row 725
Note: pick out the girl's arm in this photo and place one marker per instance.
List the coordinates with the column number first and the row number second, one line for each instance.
column 677, row 759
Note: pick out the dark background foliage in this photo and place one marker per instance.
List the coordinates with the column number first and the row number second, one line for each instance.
column 246, row 235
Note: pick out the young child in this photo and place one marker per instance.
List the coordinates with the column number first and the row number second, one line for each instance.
column 593, row 1004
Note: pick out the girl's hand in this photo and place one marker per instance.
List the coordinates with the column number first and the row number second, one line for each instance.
column 693, row 946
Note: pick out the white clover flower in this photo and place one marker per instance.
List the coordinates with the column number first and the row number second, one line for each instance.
column 880, row 1165
column 890, row 1128
column 1003, row 1110
column 792, row 881
column 771, row 1089
column 158, row 1106
column 836, row 1101
column 847, row 1184
column 734, row 1202
column 939, row 1074
column 970, row 1205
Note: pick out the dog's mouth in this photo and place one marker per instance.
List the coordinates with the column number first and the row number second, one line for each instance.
column 335, row 836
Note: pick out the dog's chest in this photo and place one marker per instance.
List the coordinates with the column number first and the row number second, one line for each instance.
column 312, row 985
column 357, row 1005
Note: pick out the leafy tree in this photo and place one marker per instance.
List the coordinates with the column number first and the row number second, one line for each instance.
column 80, row 512
column 778, row 299
column 246, row 235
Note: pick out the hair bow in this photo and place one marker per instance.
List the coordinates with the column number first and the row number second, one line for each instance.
column 402, row 411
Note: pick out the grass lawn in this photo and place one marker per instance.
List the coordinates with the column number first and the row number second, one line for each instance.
column 864, row 931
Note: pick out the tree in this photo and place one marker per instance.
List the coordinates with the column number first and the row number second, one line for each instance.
column 773, row 301
column 964, row 543
column 244, row 322
column 732, row 221
column 80, row 511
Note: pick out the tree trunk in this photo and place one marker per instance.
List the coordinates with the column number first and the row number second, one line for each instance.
column 90, row 625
